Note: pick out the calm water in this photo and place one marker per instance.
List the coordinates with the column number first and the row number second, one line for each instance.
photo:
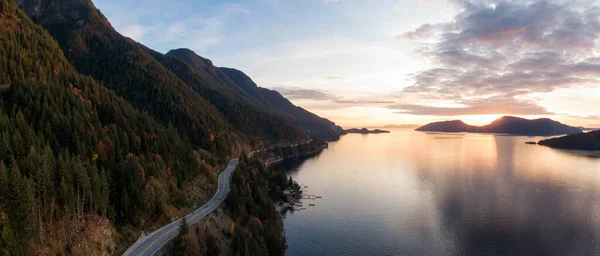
column 414, row 193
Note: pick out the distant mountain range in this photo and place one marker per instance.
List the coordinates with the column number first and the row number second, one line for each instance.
column 507, row 125
column 580, row 141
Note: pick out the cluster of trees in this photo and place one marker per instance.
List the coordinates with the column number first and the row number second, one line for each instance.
column 314, row 146
column 70, row 147
column 258, row 229
column 181, row 241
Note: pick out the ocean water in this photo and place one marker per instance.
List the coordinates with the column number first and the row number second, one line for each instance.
column 417, row 193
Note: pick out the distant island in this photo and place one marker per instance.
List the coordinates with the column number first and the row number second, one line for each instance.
column 581, row 141
column 365, row 131
column 507, row 125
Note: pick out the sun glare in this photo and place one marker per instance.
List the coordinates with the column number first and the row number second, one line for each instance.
column 479, row 119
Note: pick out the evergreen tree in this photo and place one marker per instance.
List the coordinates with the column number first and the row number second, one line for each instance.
column 181, row 242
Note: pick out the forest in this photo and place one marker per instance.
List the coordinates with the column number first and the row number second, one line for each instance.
column 95, row 125
column 70, row 147
column 253, row 210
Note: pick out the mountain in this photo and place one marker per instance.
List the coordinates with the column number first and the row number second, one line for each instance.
column 447, row 126
column 506, row 124
column 247, row 119
column 581, row 141
column 102, row 135
column 132, row 71
column 77, row 161
column 236, row 83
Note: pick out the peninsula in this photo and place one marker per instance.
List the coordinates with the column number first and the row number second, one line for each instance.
column 581, row 141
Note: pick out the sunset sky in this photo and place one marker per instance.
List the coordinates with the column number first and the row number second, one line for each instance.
column 371, row 63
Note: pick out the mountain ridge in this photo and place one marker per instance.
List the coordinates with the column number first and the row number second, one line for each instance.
column 133, row 71
column 244, row 88
column 507, row 125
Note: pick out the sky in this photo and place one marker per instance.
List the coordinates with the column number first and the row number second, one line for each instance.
column 393, row 62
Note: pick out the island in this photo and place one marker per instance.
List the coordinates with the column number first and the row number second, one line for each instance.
column 507, row 125
column 581, row 141
column 365, row 131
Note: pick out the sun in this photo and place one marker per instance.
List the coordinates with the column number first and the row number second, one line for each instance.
column 479, row 119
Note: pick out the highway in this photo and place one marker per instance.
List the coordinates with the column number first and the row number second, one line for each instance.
column 149, row 244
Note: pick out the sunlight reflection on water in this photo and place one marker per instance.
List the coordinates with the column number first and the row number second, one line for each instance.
column 414, row 193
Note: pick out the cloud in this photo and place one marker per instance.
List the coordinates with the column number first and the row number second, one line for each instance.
column 424, row 30
column 175, row 29
column 478, row 107
column 298, row 93
column 335, row 78
column 502, row 51
column 363, row 102
column 330, row 1
column 135, row 31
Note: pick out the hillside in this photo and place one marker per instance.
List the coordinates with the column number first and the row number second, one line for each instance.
column 73, row 154
column 581, row 141
column 241, row 86
column 244, row 117
column 130, row 69
column 507, row 125
column 448, row 126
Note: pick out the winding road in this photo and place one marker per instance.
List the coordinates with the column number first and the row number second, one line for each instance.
column 149, row 244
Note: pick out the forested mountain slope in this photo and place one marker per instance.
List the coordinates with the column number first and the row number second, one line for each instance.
column 95, row 48
column 242, row 87
column 71, row 148
column 245, row 117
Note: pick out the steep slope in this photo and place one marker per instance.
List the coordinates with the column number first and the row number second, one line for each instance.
column 72, row 151
column 581, row 141
column 242, row 87
column 209, row 73
column 506, row 124
column 242, row 115
column 96, row 49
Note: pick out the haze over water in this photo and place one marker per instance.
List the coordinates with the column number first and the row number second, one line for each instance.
column 415, row 193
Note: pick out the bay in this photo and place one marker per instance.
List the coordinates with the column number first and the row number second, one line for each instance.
column 416, row 193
